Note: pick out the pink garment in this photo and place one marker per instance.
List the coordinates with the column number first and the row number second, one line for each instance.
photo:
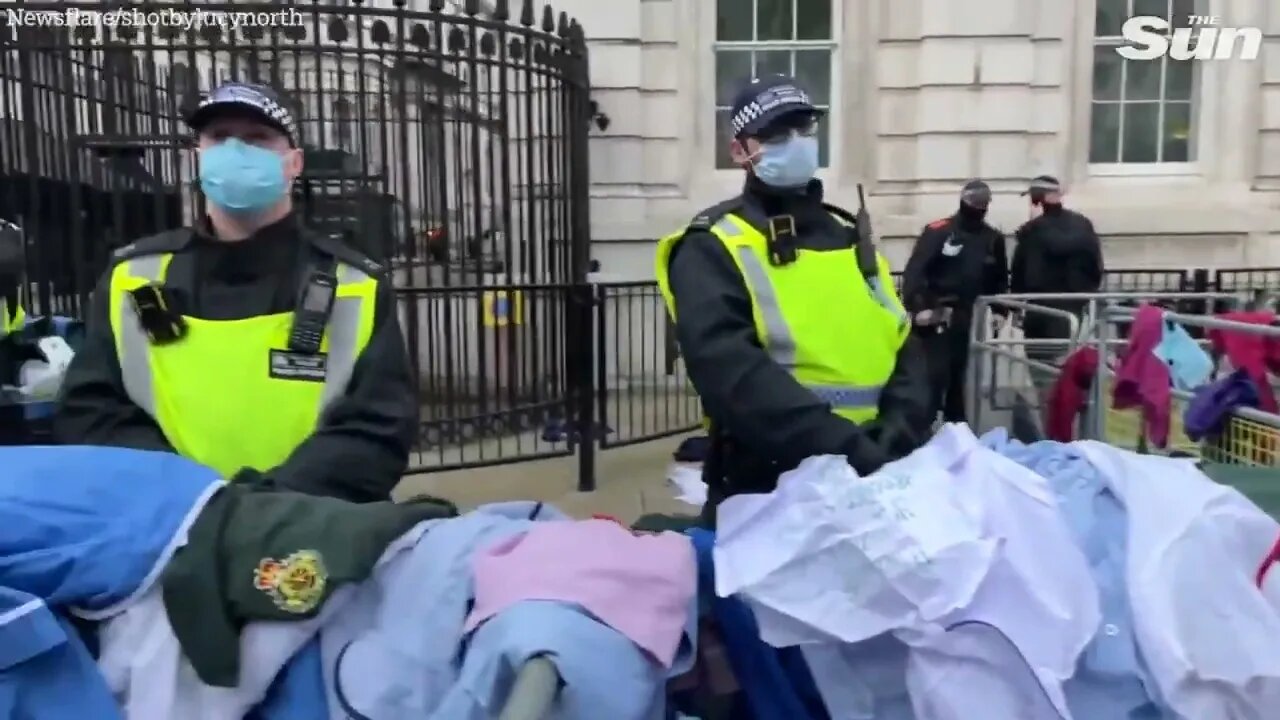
column 1142, row 379
column 1255, row 354
column 640, row 585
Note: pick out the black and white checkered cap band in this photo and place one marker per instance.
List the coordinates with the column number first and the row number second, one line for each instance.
column 1046, row 185
column 255, row 98
column 767, row 102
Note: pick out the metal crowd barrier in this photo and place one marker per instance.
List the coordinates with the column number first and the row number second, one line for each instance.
column 533, row 694
column 1000, row 366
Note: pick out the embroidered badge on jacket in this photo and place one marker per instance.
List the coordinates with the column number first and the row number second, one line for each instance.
column 295, row 584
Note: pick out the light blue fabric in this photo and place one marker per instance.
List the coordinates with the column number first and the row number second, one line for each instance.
column 45, row 671
column 605, row 674
column 1111, row 680
column 86, row 526
column 1189, row 365
column 397, row 651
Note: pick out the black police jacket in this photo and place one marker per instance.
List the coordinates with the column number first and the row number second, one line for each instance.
column 763, row 421
column 953, row 262
column 361, row 448
column 1058, row 252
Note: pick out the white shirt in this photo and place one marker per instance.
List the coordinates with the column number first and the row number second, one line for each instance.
column 962, row 539
column 1210, row 638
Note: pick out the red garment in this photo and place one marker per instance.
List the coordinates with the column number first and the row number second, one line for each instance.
column 1272, row 558
column 1070, row 394
column 1255, row 354
column 1143, row 380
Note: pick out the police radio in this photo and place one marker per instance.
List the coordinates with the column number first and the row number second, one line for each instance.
column 311, row 316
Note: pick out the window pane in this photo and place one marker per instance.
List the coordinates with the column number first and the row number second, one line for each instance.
column 724, row 133
column 733, row 20
column 1106, row 73
column 1142, row 79
column 1178, row 78
column 733, row 70
column 773, row 20
column 771, row 62
column 1159, row 8
column 813, row 71
column 1141, row 132
column 1109, row 17
column 824, row 143
column 1177, row 132
column 1104, row 133
column 813, row 19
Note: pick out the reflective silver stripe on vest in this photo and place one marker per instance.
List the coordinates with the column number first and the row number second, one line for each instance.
column 781, row 344
column 135, row 359
column 847, row 397
column 778, row 341
column 135, row 365
column 344, row 323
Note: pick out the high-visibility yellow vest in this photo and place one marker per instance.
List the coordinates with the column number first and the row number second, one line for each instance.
column 837, row 332
column 11, row 318
column 212, row 392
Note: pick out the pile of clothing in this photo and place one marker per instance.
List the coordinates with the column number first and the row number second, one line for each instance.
column 1159, row 356
column 198, row 599
column 987, row 578
column 978, row 577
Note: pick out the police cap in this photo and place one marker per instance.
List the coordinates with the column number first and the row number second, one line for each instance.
column 1044, row 184
column 762, row 101
column 257, row 101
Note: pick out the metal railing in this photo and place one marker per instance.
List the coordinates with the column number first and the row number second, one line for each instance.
column 1250, row 437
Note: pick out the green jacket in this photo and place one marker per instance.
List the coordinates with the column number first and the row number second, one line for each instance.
column 263, row 554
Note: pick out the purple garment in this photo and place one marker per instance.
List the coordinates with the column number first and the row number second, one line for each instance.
column 1210, row 407
column 640, row 585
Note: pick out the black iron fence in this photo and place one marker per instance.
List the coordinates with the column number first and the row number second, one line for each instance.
column 449, row 143
column 641, row 392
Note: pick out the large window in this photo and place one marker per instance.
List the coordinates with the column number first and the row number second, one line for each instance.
column 755, row 38
column 1143, row 111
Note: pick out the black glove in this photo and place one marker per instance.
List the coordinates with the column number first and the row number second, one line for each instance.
column 866, row 456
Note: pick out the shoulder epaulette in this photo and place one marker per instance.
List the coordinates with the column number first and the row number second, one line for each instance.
column 939, row 223
column 170, row 241
column 335, row 244
column 706, row 219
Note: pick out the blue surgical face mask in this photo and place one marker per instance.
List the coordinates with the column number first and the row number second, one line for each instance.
column 242, row 178
column 789, row 163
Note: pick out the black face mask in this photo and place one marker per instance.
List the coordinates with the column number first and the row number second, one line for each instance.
column 972, row 217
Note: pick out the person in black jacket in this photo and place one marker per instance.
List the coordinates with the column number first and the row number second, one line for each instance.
column 1057, row 252
column 764, row 421
column 308, row 380
column 955, row 260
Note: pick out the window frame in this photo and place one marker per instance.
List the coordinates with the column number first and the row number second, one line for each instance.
column 1202, row 80
column 710, row 107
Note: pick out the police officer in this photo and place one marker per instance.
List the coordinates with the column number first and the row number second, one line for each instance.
column 955, row 260
column 1057, row 252
column 788, row 322
column 248, row 341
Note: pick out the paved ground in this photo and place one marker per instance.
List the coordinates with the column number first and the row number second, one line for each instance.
column 631, row 482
